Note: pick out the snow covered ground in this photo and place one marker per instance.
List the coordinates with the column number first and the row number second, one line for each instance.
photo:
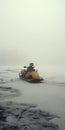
column 48, row 97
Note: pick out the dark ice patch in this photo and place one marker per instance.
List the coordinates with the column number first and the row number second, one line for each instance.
column 24, row 117
column 6, row 92
column 2, row 81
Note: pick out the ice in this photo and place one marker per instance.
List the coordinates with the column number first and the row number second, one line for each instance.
column 17, row 116
column 48, row 99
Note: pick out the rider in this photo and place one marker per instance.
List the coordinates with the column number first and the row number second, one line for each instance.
column 30, row 67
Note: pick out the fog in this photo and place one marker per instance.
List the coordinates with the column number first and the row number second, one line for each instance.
column 32, row 31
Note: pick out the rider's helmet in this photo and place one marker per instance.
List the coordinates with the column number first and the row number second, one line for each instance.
column 31, row 64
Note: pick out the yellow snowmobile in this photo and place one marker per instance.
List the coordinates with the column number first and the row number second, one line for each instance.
column 30, row 76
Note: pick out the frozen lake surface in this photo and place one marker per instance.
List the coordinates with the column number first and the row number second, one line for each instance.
column 43, row 103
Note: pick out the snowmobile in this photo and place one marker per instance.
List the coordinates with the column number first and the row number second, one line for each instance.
column 30, row 76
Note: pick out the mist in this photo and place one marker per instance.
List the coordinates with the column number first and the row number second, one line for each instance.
column 32, row 31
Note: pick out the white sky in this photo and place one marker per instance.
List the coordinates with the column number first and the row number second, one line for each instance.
column 32, row 31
